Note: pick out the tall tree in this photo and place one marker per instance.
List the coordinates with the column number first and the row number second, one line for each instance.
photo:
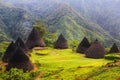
column 40, row 26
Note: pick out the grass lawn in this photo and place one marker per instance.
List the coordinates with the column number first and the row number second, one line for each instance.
column 64, row 64
column 53, row 64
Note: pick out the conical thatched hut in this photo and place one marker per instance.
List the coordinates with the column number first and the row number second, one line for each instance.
column 83, row 46
column 96, row 50
column 34, row 40
column 20, row 42
column 61, row 43
column 9, row 52
column 114, row 49
column 20, row 60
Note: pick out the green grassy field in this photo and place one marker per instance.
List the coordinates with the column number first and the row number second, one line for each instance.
column 53, row 64
column 64, row 64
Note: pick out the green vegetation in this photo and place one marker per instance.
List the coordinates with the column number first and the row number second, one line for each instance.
column 15, row 74
column 64, row 64
column 14, row 22
column 61, row 18
column 112, row 56
column 3, row 47
column 103, row 73
column 50, row 39
column 40, row 26
column 51, row 64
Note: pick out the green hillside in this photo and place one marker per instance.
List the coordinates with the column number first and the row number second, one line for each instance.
column 3, row 35
column 60, row 18
column 75, row 26
column 14, row 22
column 103, row 12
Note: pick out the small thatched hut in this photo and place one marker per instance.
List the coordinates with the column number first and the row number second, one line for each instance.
column 96, row 50
column 20, row 60
column 114, row 49
column 34, row 39
column 20, row 42
column 9, row 52
column 83, row 46
column 61, row 43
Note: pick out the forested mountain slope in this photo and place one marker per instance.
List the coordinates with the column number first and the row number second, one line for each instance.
column 75, row 19
column 14, row 21
column 103, row 12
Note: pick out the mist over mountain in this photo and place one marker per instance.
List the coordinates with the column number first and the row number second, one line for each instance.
column 103, row 12
column 14, row 21
column 74, row 18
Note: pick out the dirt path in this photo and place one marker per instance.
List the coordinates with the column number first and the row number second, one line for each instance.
column 40, row 75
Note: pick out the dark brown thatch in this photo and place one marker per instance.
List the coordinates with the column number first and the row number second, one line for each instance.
column 34, row 40
column 114, row 49
column 20, row 42
column 9, row 52
column 83, row 46
column 61, row 43
column 96, row 50
column 20, row 60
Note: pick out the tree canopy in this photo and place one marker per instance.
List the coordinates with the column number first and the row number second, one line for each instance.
column 40, row 26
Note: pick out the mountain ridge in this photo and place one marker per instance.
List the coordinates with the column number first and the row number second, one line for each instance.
column 13, row 20
column 65, row 18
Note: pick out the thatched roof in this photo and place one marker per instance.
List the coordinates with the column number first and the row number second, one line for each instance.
column 83, row 46
column 20, row 60
column 61, row 43
column 96, row 50
column 9, row 52
column 114, row 49
column 35, row 40
column 20, row 42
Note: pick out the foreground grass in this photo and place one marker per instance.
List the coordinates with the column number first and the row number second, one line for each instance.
column 103, row 73
column 64, row 64
column 52, row 64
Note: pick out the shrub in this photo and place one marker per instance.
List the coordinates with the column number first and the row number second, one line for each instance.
column 50, row 39
column 1, row 54
column 15, row 74
column 73, row 44
column 112, row 57
column 34, row 74
column 48, row 73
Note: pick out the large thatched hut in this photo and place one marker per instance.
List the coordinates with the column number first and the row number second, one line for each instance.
column 20, row 60
column 35, row 40
column 20, row 42
column 114, row 49
column 96, row 50
column 61, row 43
column 9, row 52
column 83, row 46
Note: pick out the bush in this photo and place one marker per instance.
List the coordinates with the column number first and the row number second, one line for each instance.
column 74, row 44
column 112, row 56
column 34, row 74
column 41, row 27
column 50, row 39
column 1, row 53
column 48, row 73
column 15, row 74
column 3, row 46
